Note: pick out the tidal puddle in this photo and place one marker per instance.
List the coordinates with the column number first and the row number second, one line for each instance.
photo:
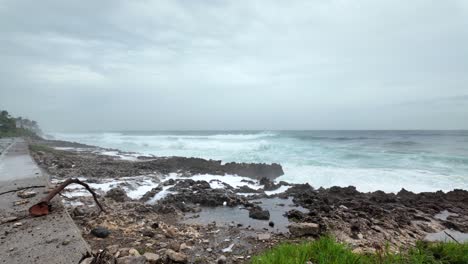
column 447, row 235
column 235, row 215
column 444, row 215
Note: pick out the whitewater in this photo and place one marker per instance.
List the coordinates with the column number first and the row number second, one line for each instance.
column 418, row 161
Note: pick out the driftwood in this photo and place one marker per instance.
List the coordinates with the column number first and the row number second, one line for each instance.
column 449, row 235
column 43, row 207
column 23, row 188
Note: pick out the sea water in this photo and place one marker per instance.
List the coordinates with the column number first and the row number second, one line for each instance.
column 370, row 160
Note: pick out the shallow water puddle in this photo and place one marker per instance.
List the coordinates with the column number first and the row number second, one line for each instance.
column 444, row 215
column 447, row 235
column 235, row 215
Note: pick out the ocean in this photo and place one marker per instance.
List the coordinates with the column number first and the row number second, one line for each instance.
column 370, row 160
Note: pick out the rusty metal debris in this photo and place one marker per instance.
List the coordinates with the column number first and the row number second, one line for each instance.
column 44, row 206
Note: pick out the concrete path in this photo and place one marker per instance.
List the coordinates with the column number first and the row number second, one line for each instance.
column 49, row 239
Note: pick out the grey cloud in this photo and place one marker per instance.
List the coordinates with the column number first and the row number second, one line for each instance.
column 234, row 64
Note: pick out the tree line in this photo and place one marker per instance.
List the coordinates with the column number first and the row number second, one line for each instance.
column 17, row 126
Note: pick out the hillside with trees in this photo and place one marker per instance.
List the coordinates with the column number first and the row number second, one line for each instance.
column 17, row 126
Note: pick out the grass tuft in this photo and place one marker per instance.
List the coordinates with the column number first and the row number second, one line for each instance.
column 327, row 251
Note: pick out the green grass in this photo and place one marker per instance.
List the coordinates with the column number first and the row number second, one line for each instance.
column 327, row 251
column 17, row 132
column 38, row 147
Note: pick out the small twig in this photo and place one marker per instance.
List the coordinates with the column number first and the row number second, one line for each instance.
column 23, row 188
column 451, row 237
column 16, row 219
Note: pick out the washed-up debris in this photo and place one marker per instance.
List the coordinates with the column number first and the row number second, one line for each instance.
column 264, row 236
column 17, row 224
column 8, row 219
column 24, row 188
column 20, row 202
column 26, row 194
column 228, row 249
column 43, row 207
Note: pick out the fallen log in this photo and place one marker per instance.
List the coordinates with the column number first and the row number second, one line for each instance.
column 44, row 206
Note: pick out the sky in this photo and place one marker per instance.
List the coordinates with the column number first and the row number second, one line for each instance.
column 212, row 64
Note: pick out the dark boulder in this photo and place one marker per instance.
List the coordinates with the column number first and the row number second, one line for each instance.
column 247, row 189
column 268, row 185
column 117, row 194
column 259, row 214
column 147, row 196
column 100, row 232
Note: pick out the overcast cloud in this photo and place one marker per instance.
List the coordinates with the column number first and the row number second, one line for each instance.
column 336, row 64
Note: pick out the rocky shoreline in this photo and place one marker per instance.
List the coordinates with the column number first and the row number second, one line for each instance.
column 195, row 218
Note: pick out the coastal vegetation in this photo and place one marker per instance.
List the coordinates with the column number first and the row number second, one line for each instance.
column 17, row 126
column 327, row 250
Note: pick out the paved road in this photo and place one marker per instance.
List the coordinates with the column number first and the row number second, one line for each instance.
column 49, row 239
column 16, row 163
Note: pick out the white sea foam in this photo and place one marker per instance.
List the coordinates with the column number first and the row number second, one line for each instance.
column 281, row 189
column 162, row 194
column 135, row 187
column 233, row 180
column 371, row 179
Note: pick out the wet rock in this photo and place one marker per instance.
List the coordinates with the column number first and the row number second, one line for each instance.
column 147, row 196
column 133, row 252
column 254, row 170
column 268, row 185
column 271, row 224
column 164, row 208
column 247, row 189
column 176, row 257
column 143, row 208
column 248, row 181
column 264, row 236
column 112, row 249
column 169, row 182
column 174, row 245
column 87, row 261
column 117, row 194
column 259, row 214
column 147, row 233
column 221, row 260
column 131, row 260
column 304, row 229
column 100, row 232
column 79, row 211
column 183, row 247
column 207, row 197
column 170, row 232
column 299, row 190
column 192, row 184
column 151, row 258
